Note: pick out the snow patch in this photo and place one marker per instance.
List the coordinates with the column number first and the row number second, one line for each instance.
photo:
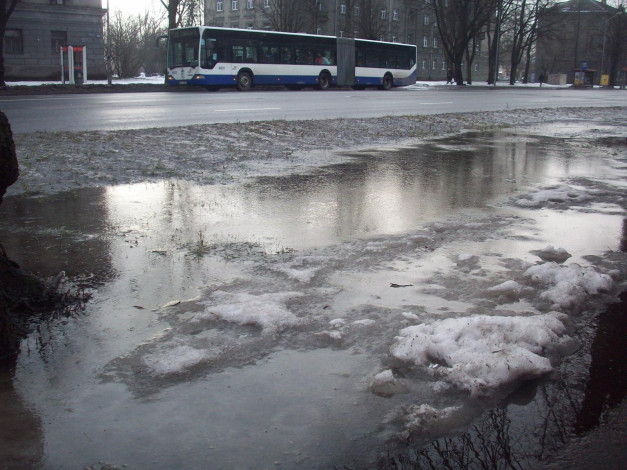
column 174, row 360
column 269, row 311
column 560, row 194
column 482, row 352
column 506, row 288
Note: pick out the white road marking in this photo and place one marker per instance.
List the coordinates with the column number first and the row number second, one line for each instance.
column 244, row 109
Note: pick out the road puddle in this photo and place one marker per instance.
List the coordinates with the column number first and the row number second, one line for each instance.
column 241, row 325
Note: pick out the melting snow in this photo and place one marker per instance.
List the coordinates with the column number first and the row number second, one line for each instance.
column 481, row 352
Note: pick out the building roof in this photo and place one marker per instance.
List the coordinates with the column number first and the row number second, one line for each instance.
column 584, row 6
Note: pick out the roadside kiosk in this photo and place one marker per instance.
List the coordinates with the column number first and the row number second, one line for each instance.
column 73, row 64
column 584, row 78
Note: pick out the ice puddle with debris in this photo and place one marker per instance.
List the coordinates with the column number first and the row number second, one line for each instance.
column 306, row 321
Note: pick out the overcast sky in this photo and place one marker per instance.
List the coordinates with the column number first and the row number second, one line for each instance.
column 133, row 6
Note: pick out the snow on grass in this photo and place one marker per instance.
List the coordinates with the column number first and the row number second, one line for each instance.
column 269, row 311
column 482, row 352
column 568, row 286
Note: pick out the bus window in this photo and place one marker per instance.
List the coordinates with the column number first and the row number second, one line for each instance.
column 304, row 56
column 238, row 54
column 269, row 55
column 286, row 55
column 208, row 53
column 251, row 54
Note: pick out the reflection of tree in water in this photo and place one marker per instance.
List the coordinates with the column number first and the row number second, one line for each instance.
column 516, row 437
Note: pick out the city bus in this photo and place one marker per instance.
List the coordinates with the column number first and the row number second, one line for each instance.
column 221, row 57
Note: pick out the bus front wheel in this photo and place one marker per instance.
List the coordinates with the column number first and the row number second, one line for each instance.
column 387, row 83
column 244, row 81
column 324, row 81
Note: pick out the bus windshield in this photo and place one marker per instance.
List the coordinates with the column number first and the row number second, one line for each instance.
column 184, row 48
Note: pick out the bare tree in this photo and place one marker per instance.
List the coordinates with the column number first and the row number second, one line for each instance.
column 369, row 21
column 175, row 12
column 284, row 15
column 615, row 40
column 459, row 21
column 524, row 33
column 133, row 44
column 6, row 10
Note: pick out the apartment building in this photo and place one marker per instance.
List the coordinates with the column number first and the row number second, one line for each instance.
column 38, row 28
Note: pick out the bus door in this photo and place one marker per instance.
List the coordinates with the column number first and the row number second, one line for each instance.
column 345, row 61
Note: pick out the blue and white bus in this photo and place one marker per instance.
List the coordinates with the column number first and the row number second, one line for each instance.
column 221, row 57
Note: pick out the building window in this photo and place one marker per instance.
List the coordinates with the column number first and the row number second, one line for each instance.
column 250, row 4
column 57, row 2
column 443, row 65
column 57, row 39
column 341, row 33
column 384, row 13
column 355, row 33
column 219, row 5
column 395, row 14
column 410, row 38
column 234, row 5
column 476, row 67
column 434, row 64
column 13, row 43
column 435, row 42
column 381, row 38
column 356, row 10
column 425, row 41
column 266, row 4
column 425, row 20
column 424, row 64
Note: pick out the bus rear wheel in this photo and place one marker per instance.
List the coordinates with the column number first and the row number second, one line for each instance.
column 244, row 81
column 324, row 81
column 387, row 83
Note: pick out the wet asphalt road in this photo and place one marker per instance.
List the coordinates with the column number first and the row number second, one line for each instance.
column 114, row 111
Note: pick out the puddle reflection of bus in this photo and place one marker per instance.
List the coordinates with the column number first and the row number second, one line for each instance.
column 222, row 57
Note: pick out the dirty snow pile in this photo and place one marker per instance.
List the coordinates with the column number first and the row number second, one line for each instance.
column 568, row 286
column 481, row 352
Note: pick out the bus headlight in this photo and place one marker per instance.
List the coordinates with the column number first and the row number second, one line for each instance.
column 198, row 77
column 170, row 78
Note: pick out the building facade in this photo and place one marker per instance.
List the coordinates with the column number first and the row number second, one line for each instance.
column 405, row 21
column 572, row 37
column 38, row 28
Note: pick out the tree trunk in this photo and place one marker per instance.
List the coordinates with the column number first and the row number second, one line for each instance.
column 9, row 169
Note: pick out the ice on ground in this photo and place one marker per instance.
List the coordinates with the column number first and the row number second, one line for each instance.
column 482, row 352
column 568, row 286
column 561, row 194
column 549, row 253
column 385, row 384
column 269, row 311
